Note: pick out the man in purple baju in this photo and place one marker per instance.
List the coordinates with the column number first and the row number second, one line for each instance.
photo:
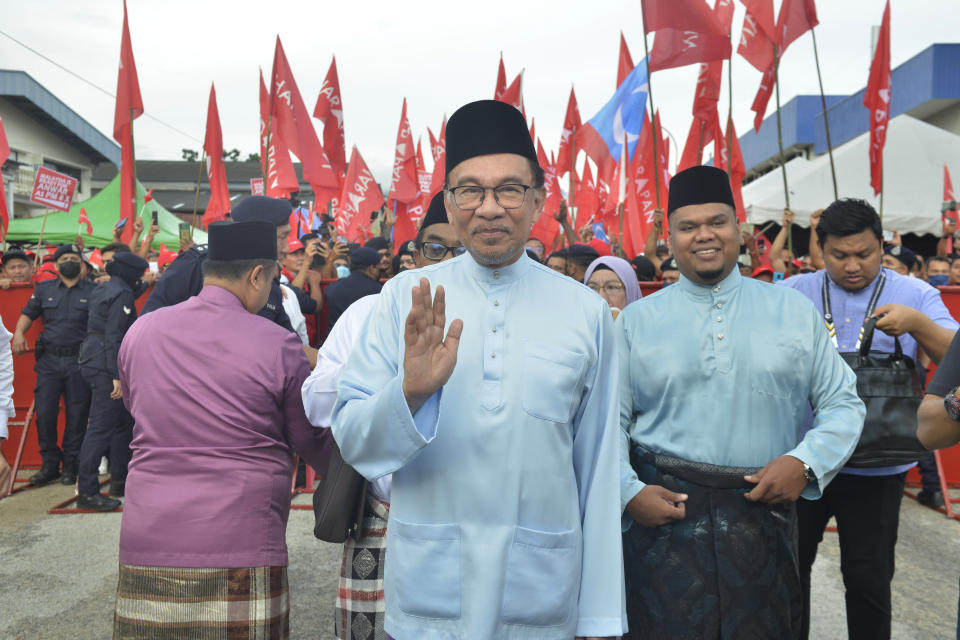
column 215, row 392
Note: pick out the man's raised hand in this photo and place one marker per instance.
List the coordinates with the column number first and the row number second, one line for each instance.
column 428, row 359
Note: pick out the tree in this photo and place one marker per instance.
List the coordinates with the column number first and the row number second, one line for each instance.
column 253, row 157
column 232, row 155
column 189, row 155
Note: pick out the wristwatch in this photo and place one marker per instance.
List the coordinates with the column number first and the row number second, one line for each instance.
column 952, row 404
column 808, row 472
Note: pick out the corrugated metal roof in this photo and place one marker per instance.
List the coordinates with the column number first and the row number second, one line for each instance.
column 31, row 96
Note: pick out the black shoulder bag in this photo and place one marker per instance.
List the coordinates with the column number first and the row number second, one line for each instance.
column 890, row 387
column 338, row 502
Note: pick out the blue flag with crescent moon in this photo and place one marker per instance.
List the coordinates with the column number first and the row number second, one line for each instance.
column 623, row 115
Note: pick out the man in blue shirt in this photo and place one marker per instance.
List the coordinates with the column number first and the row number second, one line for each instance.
column 715, row 374
column 501, row 437
column 865, row 501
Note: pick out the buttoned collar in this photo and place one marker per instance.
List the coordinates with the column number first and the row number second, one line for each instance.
column 718, row 290
column 499, row 275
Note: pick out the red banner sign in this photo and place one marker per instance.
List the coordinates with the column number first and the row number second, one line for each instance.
column 256, row 186
column 54, row 190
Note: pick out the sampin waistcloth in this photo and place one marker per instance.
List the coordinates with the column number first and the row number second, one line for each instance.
column 360, row 610
column 174, row 603
column 728, row 570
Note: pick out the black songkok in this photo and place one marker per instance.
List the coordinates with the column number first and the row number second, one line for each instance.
column 436, row 212
column 251, row 240
column 582, row 252
column 377, row 243
column 699, row 185
column 276, row 211
column 486, row 127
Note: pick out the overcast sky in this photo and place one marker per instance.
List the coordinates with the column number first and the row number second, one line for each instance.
column 438, row 54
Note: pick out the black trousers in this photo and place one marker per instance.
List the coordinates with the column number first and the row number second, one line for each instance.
column 867, row 509
column 110, row 430
column 60, row 376
column 929, row 476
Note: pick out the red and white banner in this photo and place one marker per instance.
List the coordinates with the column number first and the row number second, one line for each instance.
column 256, row 186
column 54, row 190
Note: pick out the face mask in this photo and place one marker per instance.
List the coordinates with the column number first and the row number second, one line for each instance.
column 666, row 284
column 939, row 280
column 343, row 271
column 69, row 270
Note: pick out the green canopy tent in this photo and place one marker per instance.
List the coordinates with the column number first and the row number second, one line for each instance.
column 103, row 210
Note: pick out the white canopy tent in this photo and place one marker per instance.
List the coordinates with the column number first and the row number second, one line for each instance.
column 914, row 156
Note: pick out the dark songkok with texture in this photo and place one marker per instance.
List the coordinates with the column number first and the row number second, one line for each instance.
column 486, row 127
column 904, row 255
column 252, row 240
column 582, row 252
column 436, row 212
column 699, row 185
column 669, row 265
column 276, row 211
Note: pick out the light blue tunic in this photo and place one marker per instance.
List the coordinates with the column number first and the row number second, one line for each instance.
column 723, row 375
column 504, row 515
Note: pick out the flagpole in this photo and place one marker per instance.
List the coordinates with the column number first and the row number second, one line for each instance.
column 826, row 120
column 573, row 171
column 43, row 225
column 783, row 168
column 729, row 116
column 196, row 195
column 622, row 187
column 703, row 125
column 653, row 113
column 133, row 169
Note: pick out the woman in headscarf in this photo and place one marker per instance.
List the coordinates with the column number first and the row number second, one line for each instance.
column 614, row 280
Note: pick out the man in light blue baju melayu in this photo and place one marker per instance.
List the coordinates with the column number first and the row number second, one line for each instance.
column 502, row 437
column 715, row 375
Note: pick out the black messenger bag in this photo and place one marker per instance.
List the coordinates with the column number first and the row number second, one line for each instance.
column 338, row 502
column 891, row 388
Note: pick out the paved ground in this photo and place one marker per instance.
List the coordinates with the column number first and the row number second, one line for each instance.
column 58, row 574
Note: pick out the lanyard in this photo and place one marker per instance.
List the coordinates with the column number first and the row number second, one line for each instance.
column 828, row 312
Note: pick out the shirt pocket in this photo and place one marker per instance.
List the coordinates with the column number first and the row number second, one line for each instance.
column 776, row 362
column 543, row 578
column 425, row 568
column 551, row 381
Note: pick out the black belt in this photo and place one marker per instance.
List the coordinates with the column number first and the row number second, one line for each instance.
column 701, row 473
column 63, row 352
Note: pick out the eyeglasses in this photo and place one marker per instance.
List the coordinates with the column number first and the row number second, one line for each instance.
column 611, row 288
column 508, row 196
column 436, row 251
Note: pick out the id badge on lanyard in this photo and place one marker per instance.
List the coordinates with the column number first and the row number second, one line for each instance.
column 828, row 312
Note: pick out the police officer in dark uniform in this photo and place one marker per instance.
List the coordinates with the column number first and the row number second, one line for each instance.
column 63, row 305
column 112, row 311
column 183, row 278
column 362, row 281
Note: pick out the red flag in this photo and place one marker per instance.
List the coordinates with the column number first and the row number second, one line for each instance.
column 877, row 100
column 737, row 170
column 762, row 98
column 129, row 106
column 403, row 185
column 514, row 93
column 795, row 19
column 280, row 178
column 949, row 199
column 360, row 197
column 291, row 121
column 4, row 154
column 533, row 129
column 96, row 259
column 684, row 15
column 625, row 62
column 546, row 228
column 501, row 80
column 329, row 109
column 438, row 147
column 758, row 35
column 219, row 204
column 84, row 219
column 677, row 48
column 586, row 196
column 566, row 156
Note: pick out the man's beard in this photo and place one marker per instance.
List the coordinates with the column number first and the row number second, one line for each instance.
column 489, row 260
column 710, row 276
